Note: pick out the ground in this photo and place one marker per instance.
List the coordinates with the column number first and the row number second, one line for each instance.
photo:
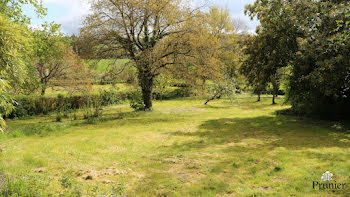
column 181, row 148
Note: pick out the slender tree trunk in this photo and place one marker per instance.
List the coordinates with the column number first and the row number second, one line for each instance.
column 275, row 87
column 43, row 86
column 274, row 92
column 259, row 97
column 211, row 98
column 146, row 83
column 203, row 87
column 43, row 90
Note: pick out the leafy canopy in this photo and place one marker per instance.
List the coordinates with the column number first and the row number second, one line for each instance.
column 13, row 10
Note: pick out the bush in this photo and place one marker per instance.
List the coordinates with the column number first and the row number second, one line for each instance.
column 136, row 101
column 30, row 186
column 93, row 108
column 109, row 97
column 63, row 106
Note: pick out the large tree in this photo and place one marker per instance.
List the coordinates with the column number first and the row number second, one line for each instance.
column 152, row 33
column 312, row 38
column 14, row 47
column 273, row 47
column 320, row 74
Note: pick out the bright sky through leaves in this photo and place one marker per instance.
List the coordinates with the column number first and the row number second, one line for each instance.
column 69, row 12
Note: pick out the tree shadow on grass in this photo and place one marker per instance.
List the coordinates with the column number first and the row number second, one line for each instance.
column 264, row 132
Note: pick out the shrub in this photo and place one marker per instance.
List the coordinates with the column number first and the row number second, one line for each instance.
column 41, row 129
column 65, row 105
column 136, row 101
column 93, row 108
column 109, row 97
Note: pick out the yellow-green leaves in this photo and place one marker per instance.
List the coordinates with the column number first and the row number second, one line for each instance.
column 12, row 9
column 13, row 48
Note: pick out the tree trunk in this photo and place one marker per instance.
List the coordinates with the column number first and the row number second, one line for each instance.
column 275, row 87
column 210, row 99
column 43, row 90
column 259, row 97
column 216, row 96
column 146, row 83
column 203, row 87
column 43, row 86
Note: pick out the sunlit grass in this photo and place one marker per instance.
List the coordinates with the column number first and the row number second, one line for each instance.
column 182, row 148
column 95, row 89
column 101, row 66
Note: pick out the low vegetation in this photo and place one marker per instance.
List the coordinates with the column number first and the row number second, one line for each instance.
column 222, row 148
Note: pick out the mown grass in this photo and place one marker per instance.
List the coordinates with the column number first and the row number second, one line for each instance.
column 182, row 148
column 101, row 66
column 94, row 89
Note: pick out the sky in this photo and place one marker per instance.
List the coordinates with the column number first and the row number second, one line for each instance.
column 69, row 13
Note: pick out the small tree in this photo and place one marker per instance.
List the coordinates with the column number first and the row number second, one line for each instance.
column 221, row 27
column 53, row 56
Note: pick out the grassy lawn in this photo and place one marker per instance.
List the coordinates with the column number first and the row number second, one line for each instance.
column 100, row 66
column 122, row 87
column 182, row 148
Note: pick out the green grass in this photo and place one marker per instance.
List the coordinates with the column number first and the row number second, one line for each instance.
column 122, row 87
column 182, row 148
column 100, row 66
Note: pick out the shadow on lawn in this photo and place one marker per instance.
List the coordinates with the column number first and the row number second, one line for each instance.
column 264, row 132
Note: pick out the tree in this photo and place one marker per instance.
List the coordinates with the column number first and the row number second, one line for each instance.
column 312, row 38
column 14, row 44
column 12, row 9
column 273, row 47
column 50, row 50
column 152, row 33
column 320, row 73
column 221, row 27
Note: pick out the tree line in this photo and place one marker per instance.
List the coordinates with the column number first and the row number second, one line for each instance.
column 306, row 43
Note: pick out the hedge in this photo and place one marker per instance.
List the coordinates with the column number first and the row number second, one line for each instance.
column 33, row 105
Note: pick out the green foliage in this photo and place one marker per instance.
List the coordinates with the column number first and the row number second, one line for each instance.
column 110, row 97
column 30, row 186
column 66, row 106
column 50, row 50
column 13, row 9
column 223, row 88
column 162, row 81
column 26, row 186
column 315, row 50
column 136, row 101
column 320, row 80
column 92, row 108
column 5, row 104
column 13, row 50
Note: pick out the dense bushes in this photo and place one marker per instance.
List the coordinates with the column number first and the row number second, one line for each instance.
column 31, row 105
column 136, row 101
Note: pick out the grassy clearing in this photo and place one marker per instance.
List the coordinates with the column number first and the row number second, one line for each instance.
column 122, row 87
column 101, row 66
column 182, row 148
